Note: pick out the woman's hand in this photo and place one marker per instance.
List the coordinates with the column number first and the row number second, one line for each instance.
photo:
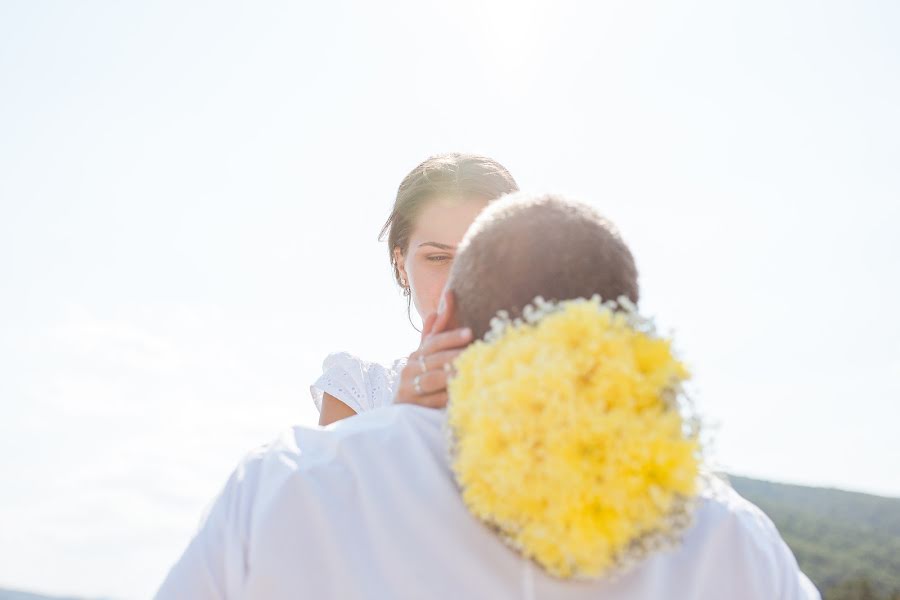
column 423, row 380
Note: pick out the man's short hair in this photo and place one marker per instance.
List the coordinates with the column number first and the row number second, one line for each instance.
column 526, row 245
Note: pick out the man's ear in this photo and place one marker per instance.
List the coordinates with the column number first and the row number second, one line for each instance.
column 446, row 313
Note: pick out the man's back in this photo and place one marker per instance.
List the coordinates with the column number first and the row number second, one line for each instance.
column 369, row 509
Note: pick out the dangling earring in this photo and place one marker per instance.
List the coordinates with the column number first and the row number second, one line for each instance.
column 408, row 294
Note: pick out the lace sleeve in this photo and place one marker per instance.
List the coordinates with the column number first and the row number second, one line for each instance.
column 344, row 377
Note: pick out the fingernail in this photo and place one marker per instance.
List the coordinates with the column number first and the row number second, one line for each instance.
column 466, row 333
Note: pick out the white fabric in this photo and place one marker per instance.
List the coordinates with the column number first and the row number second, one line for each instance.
column 367, row 508
column 361, row 385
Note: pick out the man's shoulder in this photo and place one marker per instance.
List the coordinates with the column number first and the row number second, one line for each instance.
column 392, row 420
column 383, row 435
column 720, row 505
column 734, row 536
column 394, row 424
column 314, row 462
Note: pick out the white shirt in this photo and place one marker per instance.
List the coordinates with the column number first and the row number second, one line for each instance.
column 361, row 385
column 368, row 508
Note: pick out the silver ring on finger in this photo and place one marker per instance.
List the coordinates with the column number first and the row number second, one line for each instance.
column 417, row 384
column 422, row 363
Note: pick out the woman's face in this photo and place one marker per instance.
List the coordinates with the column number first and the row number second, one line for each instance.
column 432, row 246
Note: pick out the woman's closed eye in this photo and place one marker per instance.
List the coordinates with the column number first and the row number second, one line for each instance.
column 438, row 258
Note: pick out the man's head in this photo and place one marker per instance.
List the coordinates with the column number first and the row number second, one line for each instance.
column 523, row 246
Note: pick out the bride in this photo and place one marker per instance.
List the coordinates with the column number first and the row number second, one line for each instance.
column 435, row 204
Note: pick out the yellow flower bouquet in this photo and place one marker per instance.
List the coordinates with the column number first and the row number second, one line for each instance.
column 570, row 435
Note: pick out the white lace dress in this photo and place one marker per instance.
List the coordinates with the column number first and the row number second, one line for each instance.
column 361, row 385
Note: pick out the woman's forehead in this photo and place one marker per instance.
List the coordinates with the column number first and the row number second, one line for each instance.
column 445, row 220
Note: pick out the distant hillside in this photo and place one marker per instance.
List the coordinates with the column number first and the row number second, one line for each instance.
column 12, row 595
column 848, row 543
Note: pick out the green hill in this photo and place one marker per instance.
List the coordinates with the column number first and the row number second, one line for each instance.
column 848, row 543
column 13, row 595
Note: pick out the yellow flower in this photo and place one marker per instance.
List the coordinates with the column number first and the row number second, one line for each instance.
column 568, row 440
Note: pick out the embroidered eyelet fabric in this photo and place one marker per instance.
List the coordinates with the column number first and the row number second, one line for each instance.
column 361, row 385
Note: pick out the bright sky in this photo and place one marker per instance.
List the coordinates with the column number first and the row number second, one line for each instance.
column 190, row 195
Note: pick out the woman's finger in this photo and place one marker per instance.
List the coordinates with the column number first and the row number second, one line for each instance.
column 435, row 400
column 436, row 361
column 455, row 338
column 431, row 364
column 429, row 383
column 427, row 326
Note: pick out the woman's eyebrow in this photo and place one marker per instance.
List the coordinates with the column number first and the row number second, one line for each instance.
column 438, row 245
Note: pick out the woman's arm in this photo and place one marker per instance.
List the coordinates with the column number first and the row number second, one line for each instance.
column 333, row 410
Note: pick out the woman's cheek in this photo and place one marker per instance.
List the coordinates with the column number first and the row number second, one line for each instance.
column 430, row 292
column 419, row 286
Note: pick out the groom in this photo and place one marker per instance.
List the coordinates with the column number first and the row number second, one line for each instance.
column 369, row 508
